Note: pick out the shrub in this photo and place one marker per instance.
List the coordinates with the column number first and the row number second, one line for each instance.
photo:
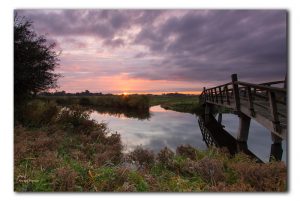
column 76, row 118
column 112, row 154
column 37, row 113
column 165, row 156
column 142, row 156
column 47, row 160
column 187, row 151
column 65, row 179
column 210, row 170
column 263, row 177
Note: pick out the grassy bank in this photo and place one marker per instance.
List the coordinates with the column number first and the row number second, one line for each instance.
column 132, row 102
column 184, row 103
column 65, row 151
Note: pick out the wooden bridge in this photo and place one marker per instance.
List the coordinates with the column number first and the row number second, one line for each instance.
column 264, row 102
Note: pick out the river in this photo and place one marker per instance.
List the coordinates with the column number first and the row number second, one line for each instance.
column 169, row 128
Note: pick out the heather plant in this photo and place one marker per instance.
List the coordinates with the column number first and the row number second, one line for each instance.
column 143, row 157
column 165, row 156
column 187, row 151
column 72, row 155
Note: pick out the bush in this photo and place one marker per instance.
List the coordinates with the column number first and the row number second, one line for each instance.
column 76, row 119
column 187, row 151
column 263, row 177
column 37, row 113
column 210, row 170
column 165, row 156
column 142, row 156
column 65, row 179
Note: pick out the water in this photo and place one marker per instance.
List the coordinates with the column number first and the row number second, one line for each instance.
column 168, row 128
column 259, row 139
column 162, row 128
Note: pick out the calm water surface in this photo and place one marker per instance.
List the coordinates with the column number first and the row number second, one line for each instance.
column 259, row 139
column 171, row 129
column 163, row 128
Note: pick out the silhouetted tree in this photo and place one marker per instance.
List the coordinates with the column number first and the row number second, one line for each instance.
column 34, row 61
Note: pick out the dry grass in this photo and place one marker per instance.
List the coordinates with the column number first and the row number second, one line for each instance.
column 64, row 179
column 76, row 154
column 263, row 177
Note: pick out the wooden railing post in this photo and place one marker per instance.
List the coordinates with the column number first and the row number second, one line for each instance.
column 227, row 95
column 216, row 95
column 221, row 95
column 273, row 109
column 250, row 101
column 235, row 90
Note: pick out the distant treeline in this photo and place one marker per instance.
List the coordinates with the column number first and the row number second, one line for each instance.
column 88, row 93
column 63, row 93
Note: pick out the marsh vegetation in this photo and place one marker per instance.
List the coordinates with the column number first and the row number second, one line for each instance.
column 64, row 150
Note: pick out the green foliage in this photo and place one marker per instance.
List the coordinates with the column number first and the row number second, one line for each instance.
column 138, row 181
column 188, row 103
column 38, row 113
column 63, row 152
column 36, row 181
column 135, row 102
column 76, row 118
column 34, row 61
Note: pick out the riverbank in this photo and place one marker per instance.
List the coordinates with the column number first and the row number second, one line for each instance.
column 66, row 151
column 179, row 103
column 184, row 103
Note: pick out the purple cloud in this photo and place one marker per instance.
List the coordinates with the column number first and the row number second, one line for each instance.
column 175, row 45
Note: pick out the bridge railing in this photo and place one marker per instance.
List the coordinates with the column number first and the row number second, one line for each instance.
column 263, row 98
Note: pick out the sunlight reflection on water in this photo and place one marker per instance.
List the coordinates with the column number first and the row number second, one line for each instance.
column 171, row 129
column 164, row 128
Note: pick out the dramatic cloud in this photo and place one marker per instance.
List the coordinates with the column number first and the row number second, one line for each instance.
column 170, row 50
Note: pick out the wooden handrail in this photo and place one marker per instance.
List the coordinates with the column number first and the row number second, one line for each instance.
column 263, row 87
column 223, row 85
column 273, row 82
column 249, row 98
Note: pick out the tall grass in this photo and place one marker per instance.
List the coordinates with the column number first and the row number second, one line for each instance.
column 68, row 152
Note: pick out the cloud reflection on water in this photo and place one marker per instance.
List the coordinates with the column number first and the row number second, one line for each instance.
column 164, row 128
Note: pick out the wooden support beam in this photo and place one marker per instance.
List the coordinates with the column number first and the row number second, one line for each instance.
column 220, row 118
column 244, row 126
column 208, row 112
column 235, row 89
column 273, row 110
column 276, row 152
column 275, row 138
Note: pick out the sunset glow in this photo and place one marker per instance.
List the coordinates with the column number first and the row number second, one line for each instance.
column 162, row 51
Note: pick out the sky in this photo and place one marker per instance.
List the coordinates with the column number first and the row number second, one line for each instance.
column 155, row 51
